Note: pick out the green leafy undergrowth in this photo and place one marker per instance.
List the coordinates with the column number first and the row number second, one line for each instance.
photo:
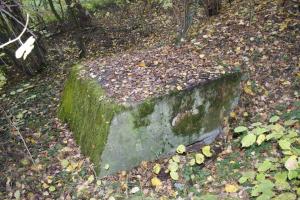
column 276, row 174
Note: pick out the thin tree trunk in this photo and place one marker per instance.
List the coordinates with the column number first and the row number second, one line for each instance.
column 61, row 9
column 77, row 13
column 80, row 18
column 52, row 7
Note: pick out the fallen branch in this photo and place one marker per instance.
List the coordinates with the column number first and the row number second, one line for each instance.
column 14, row 127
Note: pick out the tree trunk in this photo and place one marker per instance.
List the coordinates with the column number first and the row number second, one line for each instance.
column 80, row 18
column 61, row 9
column 187, row 19
column 77, row 14
column 211, row 7
column 54, row 10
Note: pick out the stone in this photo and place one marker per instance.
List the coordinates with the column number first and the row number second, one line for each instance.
column 121, row 135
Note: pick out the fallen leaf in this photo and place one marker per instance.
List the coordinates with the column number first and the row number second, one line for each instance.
column 180, row 149
column 64, row 163
column 176, row 158
column 156, row 168
column 206, row 151
column 52, row 188
column 240, row 129
column 156, row 181
column 265, row 166
column 192, row 162
column 174, row 175
column 248, row 140
column 274, row 119
column 230, row 188
column 179, row 87
column 173, row 166
column 261, row 139
column 284, row 144
column 91, row 178
column 199, row 157
column 134, row 190
column 142, row 64
column 291, row 163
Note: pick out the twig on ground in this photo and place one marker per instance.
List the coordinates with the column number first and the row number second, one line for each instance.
column 13, row 126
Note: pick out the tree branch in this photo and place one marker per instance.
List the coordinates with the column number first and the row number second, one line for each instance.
column 13, row 17
column 17, row 38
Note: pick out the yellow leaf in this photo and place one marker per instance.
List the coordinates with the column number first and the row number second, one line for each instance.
column 33, row 141
column 260, row 139
column 180, row 149
column 179, row 87
column 284, row 24
column 176, row 158
column 174, row 175
column 72, row 166
column 206, row 151
column 142, row 64
column 248, row 90
column 156, row 168
column 91, row 178
column 231, row 188
column 98, row 182
column 156, row 181
column 286, row 83
column 45, row 185
column 69, row 168
column 233, row 115
column 199, row 157
column 37, row 167
column 173, row 166
column 192, row 162
column 49, row 179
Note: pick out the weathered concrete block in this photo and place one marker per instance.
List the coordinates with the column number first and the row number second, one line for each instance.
column 121, row 135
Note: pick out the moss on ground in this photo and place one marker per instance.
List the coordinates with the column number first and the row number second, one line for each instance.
column 88, row 112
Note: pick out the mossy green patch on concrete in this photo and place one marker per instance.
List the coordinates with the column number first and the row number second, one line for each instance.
column 184, row 101
column 193, row 113
column 189, row 122
column 143, row 111
column 88, row 112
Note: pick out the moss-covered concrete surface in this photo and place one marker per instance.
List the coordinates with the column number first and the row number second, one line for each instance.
column 118, row 137
column 88, row 112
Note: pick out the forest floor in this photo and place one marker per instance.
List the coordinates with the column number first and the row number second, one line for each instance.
column 260, row 146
